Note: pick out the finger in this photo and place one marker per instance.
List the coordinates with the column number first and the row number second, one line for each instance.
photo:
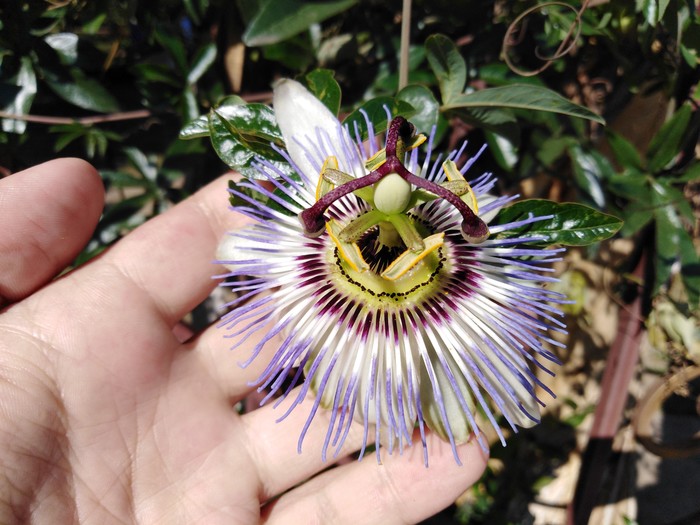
column 229, row 364
column 169, row 259
column 397, row 491
column 47, row 215
column 281, row 460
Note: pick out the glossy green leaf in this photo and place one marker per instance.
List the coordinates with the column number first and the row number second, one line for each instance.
column 65, row 45
column 503, row 149
column 571, row 225
column 228, row 148
column 195, row 129
column 278, row 20
column 22, row 102
column 84, row 92
column 140, row 161
column 322, row 84
column 376, row 111
column 203, row 61
column 448, row 65
column 254, row 125
column 199, row 127
column 667, row 142
column 427, row 107
column 650, row 10
column 590, row 170
column 522, row 96
column 239, row 133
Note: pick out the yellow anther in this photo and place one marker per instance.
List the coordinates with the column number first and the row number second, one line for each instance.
column 348, row 251
column 376, row 160
column 453, row 174
column 408, row 259
column 323, row 185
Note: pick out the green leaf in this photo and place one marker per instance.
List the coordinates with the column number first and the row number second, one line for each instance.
column 66, row 137
column 278, row 20
column 571, row 225
column 377, row 115
column 636, row 217
column 692, row 173
column 668, row 140
column 632, row 185
column 663, row 4
column 152, row 73
column 240, row 133
column 254, row 125
column 625, row 153
column 203, row 61
column 590, row 170
column 140, row 161
column 228, row 148
column 91, row 27
column 552, row 148
column 65, row 45
column 199, row 127
column 122, row 179
column 501, row 122
column 22, row 102
column 503, row 149
column 668, row 231
column 448, row 65
column 427, row 107
column 522, row 96
column 324, row 87
column 650, row 10
column 175, row 47
column 84, row 92
column 690, row 269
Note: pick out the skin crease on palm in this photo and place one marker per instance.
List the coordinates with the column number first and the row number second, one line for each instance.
column 110, row 414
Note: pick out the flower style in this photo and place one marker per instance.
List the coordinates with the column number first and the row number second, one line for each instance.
column 395, row 303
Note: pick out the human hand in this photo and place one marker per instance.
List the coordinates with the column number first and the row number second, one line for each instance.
column 106, row 416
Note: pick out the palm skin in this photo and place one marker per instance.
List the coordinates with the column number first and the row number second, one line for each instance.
column 106, row 416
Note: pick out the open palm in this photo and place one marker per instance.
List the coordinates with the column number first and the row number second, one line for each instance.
column 107, row 416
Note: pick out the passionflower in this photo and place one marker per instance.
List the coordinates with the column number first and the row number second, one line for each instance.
column 374, row 271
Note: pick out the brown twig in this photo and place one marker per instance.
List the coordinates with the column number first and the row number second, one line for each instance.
column 564, row 48
column 85, row 121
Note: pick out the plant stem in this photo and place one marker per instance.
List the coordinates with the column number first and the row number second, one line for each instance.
column 620, row 368
column 86, row 121
column 405, row 43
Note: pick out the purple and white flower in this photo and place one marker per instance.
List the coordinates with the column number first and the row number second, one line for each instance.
column 396, row 304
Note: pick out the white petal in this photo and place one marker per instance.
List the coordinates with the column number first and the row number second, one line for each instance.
column 232, row 249
column 484, row 200
column 301, row 118
column 460, row 421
